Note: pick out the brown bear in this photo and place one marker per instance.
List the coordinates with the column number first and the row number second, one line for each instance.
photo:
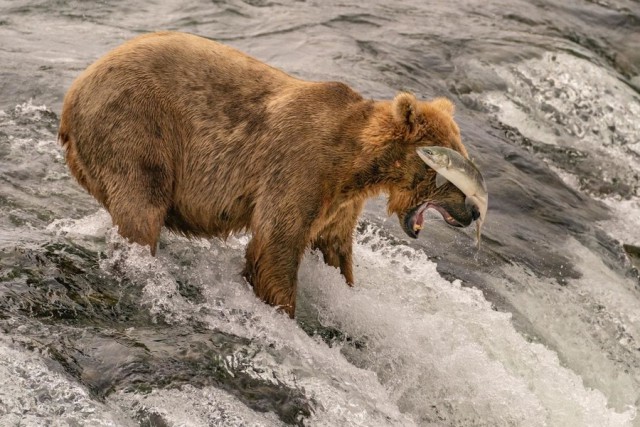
column 177, row 130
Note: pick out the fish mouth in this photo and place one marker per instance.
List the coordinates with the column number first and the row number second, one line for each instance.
column 414, row 220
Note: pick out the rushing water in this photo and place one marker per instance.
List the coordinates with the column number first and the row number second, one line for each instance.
column 542, row 327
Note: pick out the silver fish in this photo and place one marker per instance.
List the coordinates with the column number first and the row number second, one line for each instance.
column 453, row 167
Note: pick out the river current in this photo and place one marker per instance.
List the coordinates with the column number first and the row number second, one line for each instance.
column 539, row 328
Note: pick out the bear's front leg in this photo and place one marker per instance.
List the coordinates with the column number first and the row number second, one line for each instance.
column 272, row 268
column 335, row 241
column 337, row 252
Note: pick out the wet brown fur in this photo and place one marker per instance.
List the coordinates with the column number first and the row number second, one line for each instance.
column 176, row 130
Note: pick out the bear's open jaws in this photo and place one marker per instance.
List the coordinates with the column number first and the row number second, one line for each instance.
column 415, row 220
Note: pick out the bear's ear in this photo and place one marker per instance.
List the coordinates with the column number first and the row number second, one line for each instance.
column 405, row 108
column 444, row 104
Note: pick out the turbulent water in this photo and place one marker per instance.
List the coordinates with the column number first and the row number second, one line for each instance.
column 540, row 328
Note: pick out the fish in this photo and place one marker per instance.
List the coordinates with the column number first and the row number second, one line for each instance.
column 453, row 167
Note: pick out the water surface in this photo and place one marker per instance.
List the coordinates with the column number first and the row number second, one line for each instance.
column 539, row 328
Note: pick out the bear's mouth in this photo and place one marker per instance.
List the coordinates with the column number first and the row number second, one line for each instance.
column 414, row 220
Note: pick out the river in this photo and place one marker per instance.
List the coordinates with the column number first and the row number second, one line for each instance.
column 539, row 328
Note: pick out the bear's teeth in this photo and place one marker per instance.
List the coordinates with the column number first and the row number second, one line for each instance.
column 417, row 227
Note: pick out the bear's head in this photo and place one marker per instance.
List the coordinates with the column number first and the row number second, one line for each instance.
column 394, row 132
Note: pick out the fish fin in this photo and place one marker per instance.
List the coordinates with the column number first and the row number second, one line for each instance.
column 440, row 180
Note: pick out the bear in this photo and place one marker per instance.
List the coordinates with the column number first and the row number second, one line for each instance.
column 176, row 130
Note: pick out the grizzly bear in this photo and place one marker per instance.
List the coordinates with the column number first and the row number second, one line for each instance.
column 177, row 130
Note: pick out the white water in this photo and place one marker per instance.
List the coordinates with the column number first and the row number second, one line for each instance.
column 593, row 322
column 433, row 350
column 563, row 100
column 32, row 394
column 560, row 95
column 625, row 225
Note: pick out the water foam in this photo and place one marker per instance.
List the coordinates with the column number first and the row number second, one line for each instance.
column 592, row 322
column 429, row 351
column 344, row 394
column 189, row 406
column 32, row 394
column 444, row 354
column 563, row 100
column 28, row 108
column 625, row 223
column 560, row 100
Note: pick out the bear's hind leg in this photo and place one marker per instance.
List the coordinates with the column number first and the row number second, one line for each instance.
column 140, row 224
column 138, row 201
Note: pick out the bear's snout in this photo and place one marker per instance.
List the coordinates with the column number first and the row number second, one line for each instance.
column 475, row 212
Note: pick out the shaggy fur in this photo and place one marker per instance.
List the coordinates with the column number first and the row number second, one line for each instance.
column 177, row 130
